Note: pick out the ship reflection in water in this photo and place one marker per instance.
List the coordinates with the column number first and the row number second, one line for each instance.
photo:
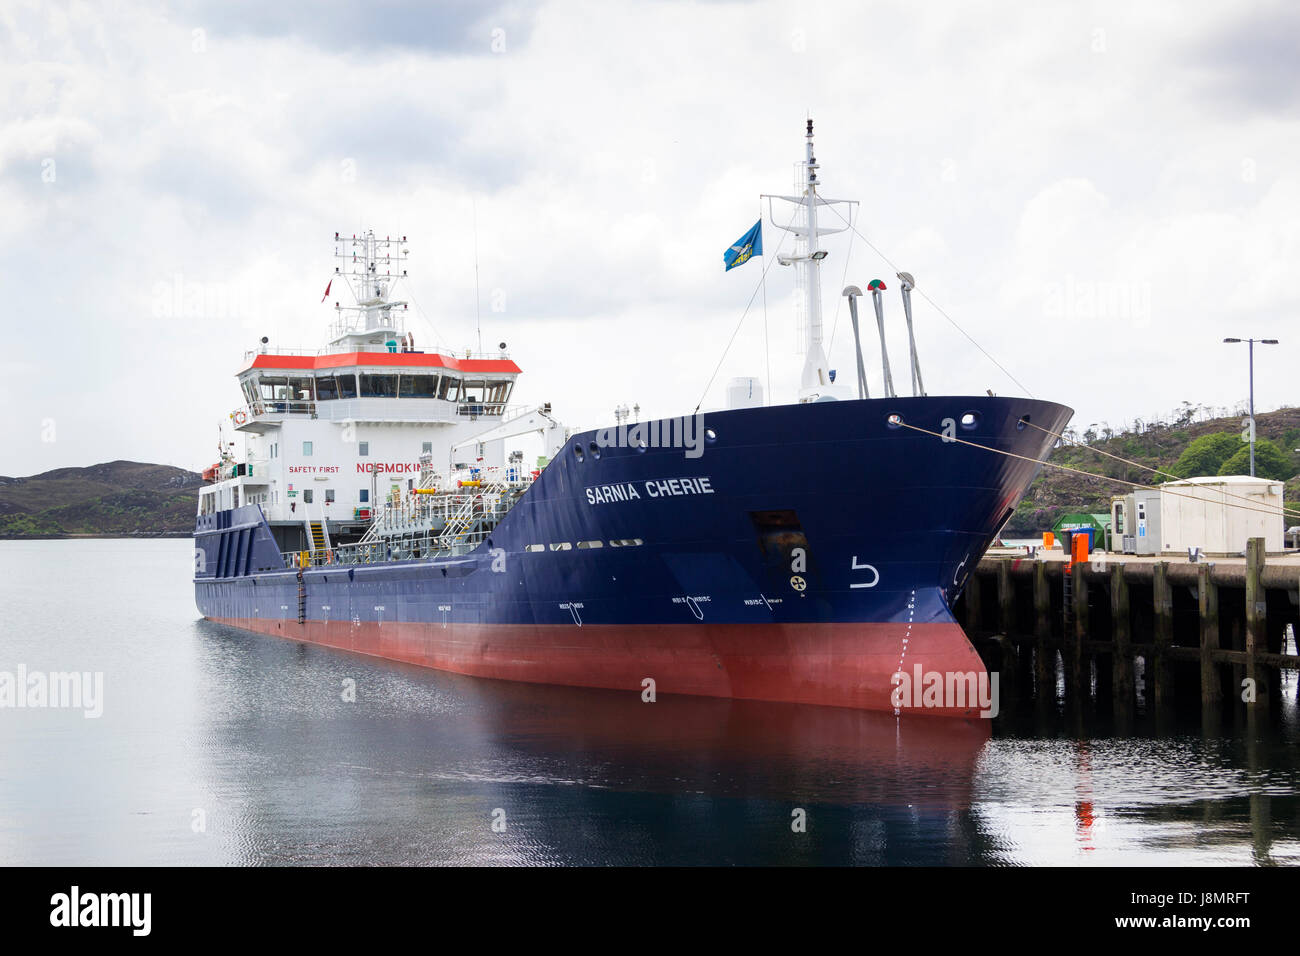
column 419, row 766
column 220, row 746
column 429, row 761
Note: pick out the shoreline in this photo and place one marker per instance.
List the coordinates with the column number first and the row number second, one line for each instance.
column 63, row 536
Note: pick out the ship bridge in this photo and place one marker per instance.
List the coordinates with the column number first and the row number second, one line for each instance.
column 367, row 385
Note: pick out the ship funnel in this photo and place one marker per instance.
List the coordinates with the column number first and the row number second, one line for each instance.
column 907, row 283
column 876, row 287
column 853, row 292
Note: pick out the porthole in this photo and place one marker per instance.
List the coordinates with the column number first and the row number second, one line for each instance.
column 595, row 450
column 710, row 435
column 578, row 453
column 970, row 420
column 1020, row 425
column 894, row 421
column 641, row 445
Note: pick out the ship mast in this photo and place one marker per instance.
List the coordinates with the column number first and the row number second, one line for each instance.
column 371, row 267
column 815, row 380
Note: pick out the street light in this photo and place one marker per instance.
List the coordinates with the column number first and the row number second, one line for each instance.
column 1251, row 424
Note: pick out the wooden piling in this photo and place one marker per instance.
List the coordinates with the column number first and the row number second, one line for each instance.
column 1044, row 665
column 1208, row 593
column 1078, row 674
column 1122, row 659
column 1006, row 598
column 1163, row 599
column 1256, row 617
column 1007, row 683
column 973, row 604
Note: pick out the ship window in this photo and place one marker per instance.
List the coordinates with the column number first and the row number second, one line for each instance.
column 363, row 449
column 300, row 389
column 327, row 388
column 364, row 496
column 449, row 388
column 378, row 386
column 585, row 545
column 472, row 392
column 535, row 547
column 499, row 392
column 426, row 448
column 306, row 449
column 562, row 546
column 347, row 385
column 626, row 543
column 329, row 496
column 306, row 496
column 419, row 386
column 274, row 387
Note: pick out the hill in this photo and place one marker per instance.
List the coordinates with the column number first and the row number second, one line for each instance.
column 1157, row 445
column 115, row 498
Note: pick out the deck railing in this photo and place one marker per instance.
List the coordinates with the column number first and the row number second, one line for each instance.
column 429, row 546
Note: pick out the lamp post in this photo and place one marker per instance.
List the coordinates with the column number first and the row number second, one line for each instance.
column 1251, row 423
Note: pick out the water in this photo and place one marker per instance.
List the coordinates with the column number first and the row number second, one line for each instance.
column 219, row 747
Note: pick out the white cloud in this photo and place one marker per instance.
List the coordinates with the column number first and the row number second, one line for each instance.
column 1071, row 186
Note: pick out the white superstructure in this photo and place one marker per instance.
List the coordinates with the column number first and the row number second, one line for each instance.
column 334, row 436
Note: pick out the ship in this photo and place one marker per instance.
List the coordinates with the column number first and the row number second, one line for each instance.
column 808, row 552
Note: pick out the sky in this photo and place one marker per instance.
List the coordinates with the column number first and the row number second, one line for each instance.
column 1095, row 193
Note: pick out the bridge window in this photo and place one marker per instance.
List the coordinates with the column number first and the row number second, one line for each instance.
column 472, row 392
column 499, row 392
column 378, row 386
column 449, row 388
column 327, row 388
column 419, row 386
column 274, row 387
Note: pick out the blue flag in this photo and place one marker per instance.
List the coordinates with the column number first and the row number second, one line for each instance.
column 750, row 244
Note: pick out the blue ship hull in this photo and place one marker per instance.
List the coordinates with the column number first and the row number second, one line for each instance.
column 810, row 553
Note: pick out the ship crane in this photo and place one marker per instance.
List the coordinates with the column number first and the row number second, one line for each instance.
column 526, row 421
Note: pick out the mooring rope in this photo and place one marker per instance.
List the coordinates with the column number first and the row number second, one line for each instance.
column 1155, row 471
column 1077, row 471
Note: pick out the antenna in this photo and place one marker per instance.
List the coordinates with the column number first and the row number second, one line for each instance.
column 372, row 267
column 478, row 321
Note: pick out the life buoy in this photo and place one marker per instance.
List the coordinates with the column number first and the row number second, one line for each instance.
column 240, row 417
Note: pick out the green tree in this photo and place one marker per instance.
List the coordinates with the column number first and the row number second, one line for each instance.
column 1206, row 455
column 1270, row 462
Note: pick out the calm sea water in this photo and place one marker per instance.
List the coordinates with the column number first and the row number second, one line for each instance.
column 220, row 747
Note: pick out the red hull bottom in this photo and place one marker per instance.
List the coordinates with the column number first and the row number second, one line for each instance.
column 837, row 665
